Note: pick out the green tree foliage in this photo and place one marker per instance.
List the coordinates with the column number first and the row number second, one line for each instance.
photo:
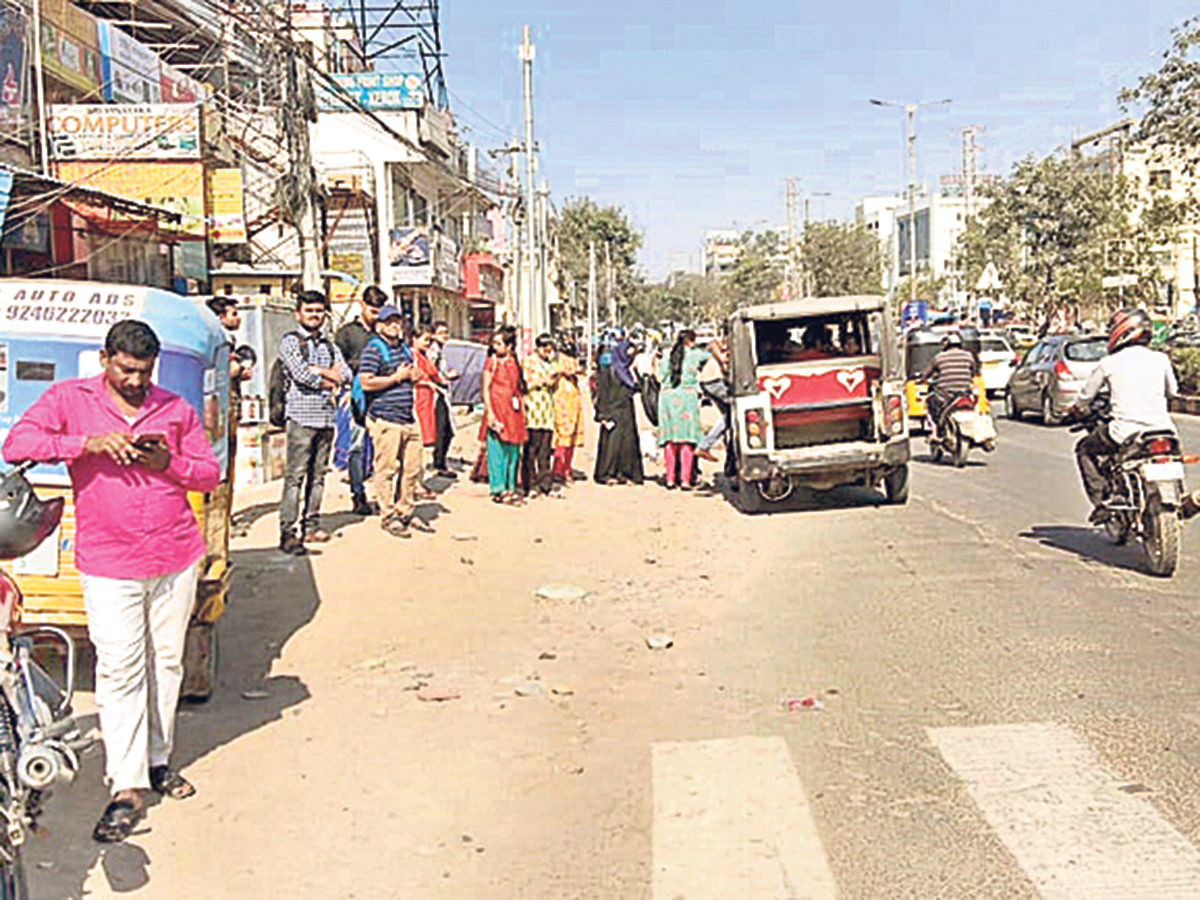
column 581, row 222
column 758, row 273
column 842, row 259
column 1170, row 99
column 1055, row 227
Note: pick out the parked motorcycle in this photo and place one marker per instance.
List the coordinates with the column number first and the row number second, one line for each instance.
column 961, row 426
column 1145, row 491
column 40, row 741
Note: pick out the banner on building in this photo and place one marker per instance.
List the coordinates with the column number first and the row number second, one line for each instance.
column 13, row 106
column 449, row 264
column 179, row 87
column 124, row 131
column 374, row 90
column 409, row 256
column 226, row 204
column 174, row 186
column 131, row 71
column 70, row 46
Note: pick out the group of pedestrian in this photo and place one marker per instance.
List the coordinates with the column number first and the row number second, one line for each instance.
column 392, row 382
column 532, row 418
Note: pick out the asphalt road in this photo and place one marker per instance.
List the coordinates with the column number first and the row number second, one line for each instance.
column 1010, row 707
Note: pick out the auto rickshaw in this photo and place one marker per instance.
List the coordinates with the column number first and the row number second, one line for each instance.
column 921, row 345
column 54, row 330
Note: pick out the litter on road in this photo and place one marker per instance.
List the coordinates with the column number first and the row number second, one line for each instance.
column 561, row 592
column 660, row 641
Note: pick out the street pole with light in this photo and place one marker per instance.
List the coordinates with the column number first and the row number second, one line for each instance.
column 910, row 110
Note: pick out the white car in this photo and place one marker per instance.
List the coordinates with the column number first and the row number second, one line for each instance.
column 997, row 359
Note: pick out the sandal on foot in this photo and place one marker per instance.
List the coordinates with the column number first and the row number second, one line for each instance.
column 396, row 528
column 117, row 821
column 317, row 537
column 418, row 524
column 170, row 783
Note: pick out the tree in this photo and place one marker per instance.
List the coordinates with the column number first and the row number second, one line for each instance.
column 758, row 273
column 1170, row 97
column 842, row 259
column 582, row 222
column 1050, row 229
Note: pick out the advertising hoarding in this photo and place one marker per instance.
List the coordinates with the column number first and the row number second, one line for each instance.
column 374, row 90
column 124, row 131
column 70, row 45
column 132, row 73
column 226, row 205
column 175, row 186
column 13, row 108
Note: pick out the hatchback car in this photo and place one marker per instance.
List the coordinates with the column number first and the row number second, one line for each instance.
column 1052, row 374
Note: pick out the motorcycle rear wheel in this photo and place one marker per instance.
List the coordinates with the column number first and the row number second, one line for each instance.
column 1161, row 543
column 12, row 878
column 1117, row 528
column 962, row 447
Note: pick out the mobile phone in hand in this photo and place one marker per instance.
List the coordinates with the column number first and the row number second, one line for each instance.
column 149, row 441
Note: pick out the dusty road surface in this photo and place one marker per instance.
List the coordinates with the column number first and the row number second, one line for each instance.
column 1008, row 707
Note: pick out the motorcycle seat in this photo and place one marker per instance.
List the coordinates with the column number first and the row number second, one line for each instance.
column 1134, row 444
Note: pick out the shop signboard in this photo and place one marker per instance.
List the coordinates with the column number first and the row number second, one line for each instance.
column 179, row 87
column 70, row 46
column 131, row 71
column 155, row 131
column 449, row 264
column 409, row 256
column 13, row 108
column 226, row 205
column 374, row 90
column 29, row 232
column 175, row 186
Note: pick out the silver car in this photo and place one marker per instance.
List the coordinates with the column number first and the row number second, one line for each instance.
column 1052, row 374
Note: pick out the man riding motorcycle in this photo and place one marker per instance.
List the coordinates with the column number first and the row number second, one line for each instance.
column 1139, row 382
column 951, row 374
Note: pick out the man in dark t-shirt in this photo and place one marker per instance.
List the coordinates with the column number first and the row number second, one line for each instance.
column 350, row 339
column 387, row 372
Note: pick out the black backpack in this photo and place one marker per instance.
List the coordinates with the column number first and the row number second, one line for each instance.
column 278, row 383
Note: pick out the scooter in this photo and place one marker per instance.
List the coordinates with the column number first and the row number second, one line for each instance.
column 960, row 426
column 40, row 740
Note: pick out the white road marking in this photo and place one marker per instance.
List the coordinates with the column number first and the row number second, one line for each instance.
column 731, row 821
column 1065, row 819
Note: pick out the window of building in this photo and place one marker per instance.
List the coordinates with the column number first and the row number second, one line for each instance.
column 1160, row 179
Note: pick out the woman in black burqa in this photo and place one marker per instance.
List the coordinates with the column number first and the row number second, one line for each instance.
column 618, row 455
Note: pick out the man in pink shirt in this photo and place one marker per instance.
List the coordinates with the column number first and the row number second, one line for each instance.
column 134, row 451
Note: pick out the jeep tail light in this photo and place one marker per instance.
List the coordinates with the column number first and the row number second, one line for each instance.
column 1062, row 370
column 755, row 430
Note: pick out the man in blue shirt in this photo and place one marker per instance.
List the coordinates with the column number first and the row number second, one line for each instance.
column 386, row 372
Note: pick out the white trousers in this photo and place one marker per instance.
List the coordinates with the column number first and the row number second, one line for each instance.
column 138, row 626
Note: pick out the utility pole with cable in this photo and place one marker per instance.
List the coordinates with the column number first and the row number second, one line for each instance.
column 298, row 96
column 531, row 314
column 609, row 295
column 910, row 110
column 591, row 315
column 792, row 197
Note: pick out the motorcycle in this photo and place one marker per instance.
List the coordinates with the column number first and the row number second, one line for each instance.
column 959, row 427
column 40, row 740
column 1145, row 492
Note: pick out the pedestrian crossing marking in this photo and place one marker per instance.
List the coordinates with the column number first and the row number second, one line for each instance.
column 1064, row 817
column 731, row 820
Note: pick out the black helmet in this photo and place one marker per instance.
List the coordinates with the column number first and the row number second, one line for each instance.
column 25, row 521
column 952, row 339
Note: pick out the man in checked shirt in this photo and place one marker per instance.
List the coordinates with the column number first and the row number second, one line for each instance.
column 315, row 370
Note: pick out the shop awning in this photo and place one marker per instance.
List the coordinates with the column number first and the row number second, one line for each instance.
column 29, row 185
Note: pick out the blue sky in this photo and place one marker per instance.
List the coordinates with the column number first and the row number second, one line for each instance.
column 692, row 115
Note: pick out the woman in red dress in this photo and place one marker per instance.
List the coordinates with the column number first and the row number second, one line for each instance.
column 425, row 385
column 503, row 426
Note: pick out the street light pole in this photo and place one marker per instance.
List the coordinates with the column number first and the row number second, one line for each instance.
column 910, row 110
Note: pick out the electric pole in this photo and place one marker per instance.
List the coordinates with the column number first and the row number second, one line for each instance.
column 543, row 250
column 910, row 110
column 609, row 296
column 970, row 165
column 298, row 97
column 591, row 315
column 531, row 311
column 792, row 199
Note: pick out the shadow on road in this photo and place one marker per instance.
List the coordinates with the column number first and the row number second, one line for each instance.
column 803, row 499
column 272, row 597
column 1088, row 543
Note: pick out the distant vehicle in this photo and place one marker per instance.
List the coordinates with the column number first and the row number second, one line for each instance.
column 997, row 359
column 1052, row 374
column 1020, row 335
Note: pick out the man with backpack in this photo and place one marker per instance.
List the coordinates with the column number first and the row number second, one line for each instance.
column 351, row 338
column 386, row 373
column 313, row 370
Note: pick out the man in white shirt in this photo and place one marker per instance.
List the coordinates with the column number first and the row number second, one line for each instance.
column 1139, row 381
